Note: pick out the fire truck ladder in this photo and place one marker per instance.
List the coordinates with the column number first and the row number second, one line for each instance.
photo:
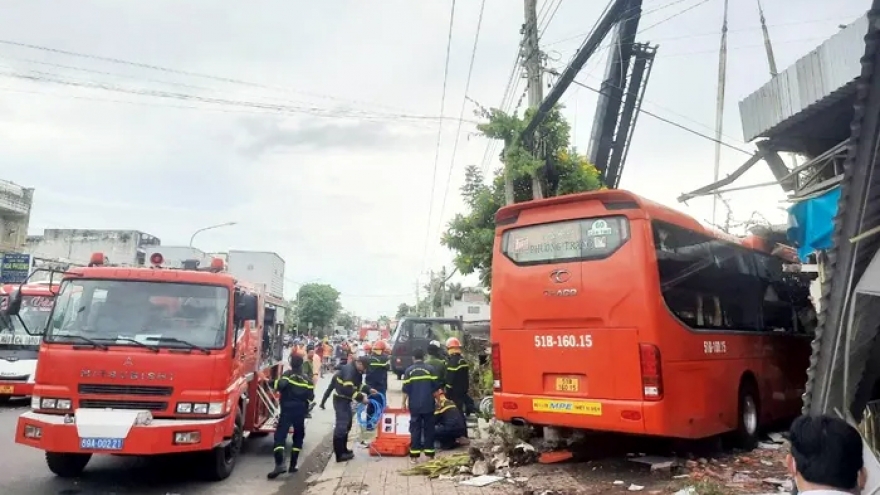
column 267, row 397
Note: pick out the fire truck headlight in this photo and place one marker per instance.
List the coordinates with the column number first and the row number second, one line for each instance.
column 48, row 403
column 184, row 407
column 200, row 408
column 35, row 402
column 215, row 408
column 31, row 431
column 63, row 404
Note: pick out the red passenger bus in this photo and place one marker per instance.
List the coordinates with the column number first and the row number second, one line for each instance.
column 613, row 313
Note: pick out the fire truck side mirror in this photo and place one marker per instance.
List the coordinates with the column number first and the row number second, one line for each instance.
column 13, row 305
column 245, row 307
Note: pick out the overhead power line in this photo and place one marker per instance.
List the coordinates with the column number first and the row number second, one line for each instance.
column 464, row 100
column 670, row 122
column 37, row 76
column 439, row 134
column 169, row 70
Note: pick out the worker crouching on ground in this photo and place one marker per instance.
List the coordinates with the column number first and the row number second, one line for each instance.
column 347, row 386
column 449, row 423
column 377, row 375
column 458, row 377
column 297, row 394
column 419, row 384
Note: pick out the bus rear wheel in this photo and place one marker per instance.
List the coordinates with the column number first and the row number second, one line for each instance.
column 746, row 435
column 66, row 465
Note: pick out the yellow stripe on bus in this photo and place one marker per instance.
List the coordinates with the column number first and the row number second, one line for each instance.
column 567, row 406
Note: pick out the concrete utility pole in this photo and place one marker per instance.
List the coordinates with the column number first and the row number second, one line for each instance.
column 532, row 60
column 719, row 107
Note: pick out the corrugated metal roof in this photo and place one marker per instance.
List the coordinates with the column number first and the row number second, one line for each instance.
column 820, row 74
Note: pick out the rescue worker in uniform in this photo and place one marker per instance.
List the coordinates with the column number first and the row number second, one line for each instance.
column 296, row 395
column 377, row 374
column 435, row 359
column 449, row 423
column 457, row 376
column 347, row 386
column 420, row 382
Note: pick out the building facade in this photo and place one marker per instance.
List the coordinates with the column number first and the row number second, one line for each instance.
column 15, row 215
column 121, row 247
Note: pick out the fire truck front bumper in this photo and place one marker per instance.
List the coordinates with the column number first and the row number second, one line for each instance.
column 122, row 432
column 16, row 389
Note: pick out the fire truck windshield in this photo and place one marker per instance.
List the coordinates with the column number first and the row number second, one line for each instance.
column 124, row 312
column 35, row 312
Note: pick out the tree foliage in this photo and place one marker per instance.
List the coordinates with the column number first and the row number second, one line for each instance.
column 345, row 320
column 556, row 167
column 317, row 304
column 404, row 309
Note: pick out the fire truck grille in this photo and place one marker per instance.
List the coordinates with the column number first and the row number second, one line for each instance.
column 123, row 404
column 96, row 389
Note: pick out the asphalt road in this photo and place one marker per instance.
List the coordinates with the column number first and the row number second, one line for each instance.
column 25, row 471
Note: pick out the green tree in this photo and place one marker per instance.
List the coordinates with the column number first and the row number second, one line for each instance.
column 404, row 309
column 345, row 320
column 317, row 304
column 559, row 170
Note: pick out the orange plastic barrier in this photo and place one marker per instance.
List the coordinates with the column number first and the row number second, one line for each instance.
column 392, row 434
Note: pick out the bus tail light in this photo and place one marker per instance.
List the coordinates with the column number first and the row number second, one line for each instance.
column 652, row 375
column 496, row 366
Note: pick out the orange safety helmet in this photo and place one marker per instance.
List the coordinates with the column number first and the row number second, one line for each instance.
column 368, row 347
column 453, row 343
column 380, row 345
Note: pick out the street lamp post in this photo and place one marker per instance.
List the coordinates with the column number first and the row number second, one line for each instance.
column 212, row 227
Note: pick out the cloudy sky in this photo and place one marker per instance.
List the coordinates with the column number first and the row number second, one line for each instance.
column 313, row 124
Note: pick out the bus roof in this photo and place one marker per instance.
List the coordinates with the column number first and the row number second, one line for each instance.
column 619, row 199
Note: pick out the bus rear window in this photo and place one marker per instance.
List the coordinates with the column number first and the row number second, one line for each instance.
column 570, row 240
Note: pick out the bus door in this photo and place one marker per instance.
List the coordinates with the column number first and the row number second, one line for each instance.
column 566, row 301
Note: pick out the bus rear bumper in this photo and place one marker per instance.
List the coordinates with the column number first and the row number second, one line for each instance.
column 623, row 416
column 16, row 389
column 123, row 433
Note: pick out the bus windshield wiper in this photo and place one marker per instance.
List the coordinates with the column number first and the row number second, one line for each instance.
column 133, row 341
column 174, row 340
column 97, row 345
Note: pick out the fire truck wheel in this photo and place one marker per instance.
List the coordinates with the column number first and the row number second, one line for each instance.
column 5, row 399
column 747, row 431
column 221, row 460
column 67, row 465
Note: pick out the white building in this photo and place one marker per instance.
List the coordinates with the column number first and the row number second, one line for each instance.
column 472, row 306
column 15, row 214
column 121, row 247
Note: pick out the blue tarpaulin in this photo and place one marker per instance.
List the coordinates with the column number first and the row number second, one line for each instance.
column 811, row 223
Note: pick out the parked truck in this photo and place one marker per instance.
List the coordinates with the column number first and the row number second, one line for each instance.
column 149, row 361
column 18, row 350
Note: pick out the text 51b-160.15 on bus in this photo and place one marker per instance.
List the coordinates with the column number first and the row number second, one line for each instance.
column 564, row 340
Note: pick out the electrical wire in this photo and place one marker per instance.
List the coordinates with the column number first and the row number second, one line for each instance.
column 38, row 76
column 548, row 19
column 439, row 137
column 168, row 70
column 670, row 122
column 467, row 87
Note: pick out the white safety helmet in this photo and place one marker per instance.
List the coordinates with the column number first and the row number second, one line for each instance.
column 435, row 343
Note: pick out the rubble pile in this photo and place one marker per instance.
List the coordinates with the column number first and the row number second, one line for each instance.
column 759, row 471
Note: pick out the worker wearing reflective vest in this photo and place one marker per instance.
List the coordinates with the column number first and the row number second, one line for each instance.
column 420, row 381
column 347, row 386
column 457, row 376
column 436, row 360
column 449, row 422
column 297, row 393
column 377, row 375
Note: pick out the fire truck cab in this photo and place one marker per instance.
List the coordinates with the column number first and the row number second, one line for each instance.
column 18, row 349
column 150, row 361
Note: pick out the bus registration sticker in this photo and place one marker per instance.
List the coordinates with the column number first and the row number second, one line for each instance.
column 567, row 407
column 565, row 384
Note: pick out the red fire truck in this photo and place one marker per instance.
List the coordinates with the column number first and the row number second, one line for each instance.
column 150, row 361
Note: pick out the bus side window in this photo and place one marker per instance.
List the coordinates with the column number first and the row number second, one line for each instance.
column 737, row 277
column 777, row 308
